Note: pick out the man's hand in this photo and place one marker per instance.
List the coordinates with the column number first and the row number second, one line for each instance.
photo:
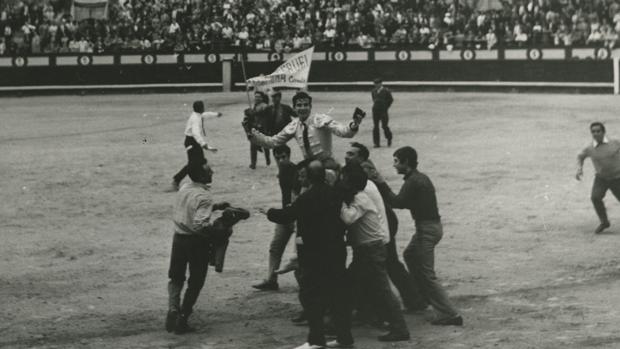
column 219, row 115
column 207, row 147
column 358, row 115
column 579, row 174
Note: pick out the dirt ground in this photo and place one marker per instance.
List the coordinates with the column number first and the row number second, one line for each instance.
column 86, row 230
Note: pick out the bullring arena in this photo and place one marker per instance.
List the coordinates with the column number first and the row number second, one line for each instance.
column 86, row 226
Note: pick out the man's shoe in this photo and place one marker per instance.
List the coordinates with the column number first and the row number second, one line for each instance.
column 450, row 321
column 290, row 266
column 174, row 186
column 171, row 320
column 252, row 166
column 309, row 346
column 601, row 227
column 300, row 320
column 389, row 142
column 377, row 146
column 182, row 326
column 336, row 344
column 394, row 337
column 267, row 286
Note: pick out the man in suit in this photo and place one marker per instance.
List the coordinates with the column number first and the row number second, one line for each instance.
column 313, row 132
column 281, row 114
column 381, row 102
column 322, row 256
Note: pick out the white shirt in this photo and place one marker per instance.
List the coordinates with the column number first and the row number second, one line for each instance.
column 362, row 217
column 195, row 126
column 373, row 193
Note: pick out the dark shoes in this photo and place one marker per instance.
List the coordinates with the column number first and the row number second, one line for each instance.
column 267, row 286
column 449, row 321
column 601, row 227
column 171, row 321
column 182, row 326
column 394, row 337
column 253, row 166
column 389, row 142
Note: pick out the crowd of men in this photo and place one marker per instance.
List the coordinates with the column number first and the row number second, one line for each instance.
column 46, row 26
column 327, row 207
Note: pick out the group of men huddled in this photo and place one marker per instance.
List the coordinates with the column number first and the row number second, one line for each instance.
column 327, row 207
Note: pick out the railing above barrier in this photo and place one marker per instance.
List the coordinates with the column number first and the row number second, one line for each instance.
column 403, row 55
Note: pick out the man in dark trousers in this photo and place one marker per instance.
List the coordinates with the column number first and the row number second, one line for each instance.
column 259, row 117
column 287, row 177
column 191, row 245
column 195, row 140
column 366, row 237
column 359, row 153
column 381, row 102
column 418, row 196
column 322, row 256
column 605, row 155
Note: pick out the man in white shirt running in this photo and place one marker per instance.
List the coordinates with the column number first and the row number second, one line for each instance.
column 195, row 141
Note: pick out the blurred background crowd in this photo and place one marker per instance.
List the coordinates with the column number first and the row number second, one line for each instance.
column 48, row 26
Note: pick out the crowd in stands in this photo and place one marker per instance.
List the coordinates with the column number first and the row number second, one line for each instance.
column 46, row 26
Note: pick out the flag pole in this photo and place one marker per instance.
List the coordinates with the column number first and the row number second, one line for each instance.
column 245, row 77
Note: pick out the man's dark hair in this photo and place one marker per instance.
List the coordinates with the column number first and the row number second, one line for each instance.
column 598, row 123
column 316, row 172
column 198, row 173
column 378, row 81
column 276, row 93
column 355, row 176
column 407, row 155
column 301, row 95
column 199, row 107
column 263, row 95
column 363, row 150
column 282, row 149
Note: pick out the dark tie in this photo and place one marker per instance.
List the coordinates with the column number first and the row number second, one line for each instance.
column 306, row 141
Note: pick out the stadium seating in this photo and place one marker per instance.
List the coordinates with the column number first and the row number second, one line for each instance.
column 40, row 27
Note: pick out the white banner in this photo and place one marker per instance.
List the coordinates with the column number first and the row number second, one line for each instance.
column 293, row 73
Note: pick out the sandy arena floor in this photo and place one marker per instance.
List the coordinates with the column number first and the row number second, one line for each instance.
column 86, row 230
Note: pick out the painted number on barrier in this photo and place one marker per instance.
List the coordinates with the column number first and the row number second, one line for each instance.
column 339, row 56
column 402, row 55
column 85, row 60
column 19, row 61
column 468, row 55
column 534, row 54
column 212, row 58
column 148, row 59
column 275, row 57
column 602, row 53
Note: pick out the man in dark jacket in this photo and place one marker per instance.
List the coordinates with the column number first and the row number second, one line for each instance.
column 381, row 102
column 281, row 114
column 322, row 255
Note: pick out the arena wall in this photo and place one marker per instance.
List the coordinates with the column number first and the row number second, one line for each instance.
column 582, row 69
